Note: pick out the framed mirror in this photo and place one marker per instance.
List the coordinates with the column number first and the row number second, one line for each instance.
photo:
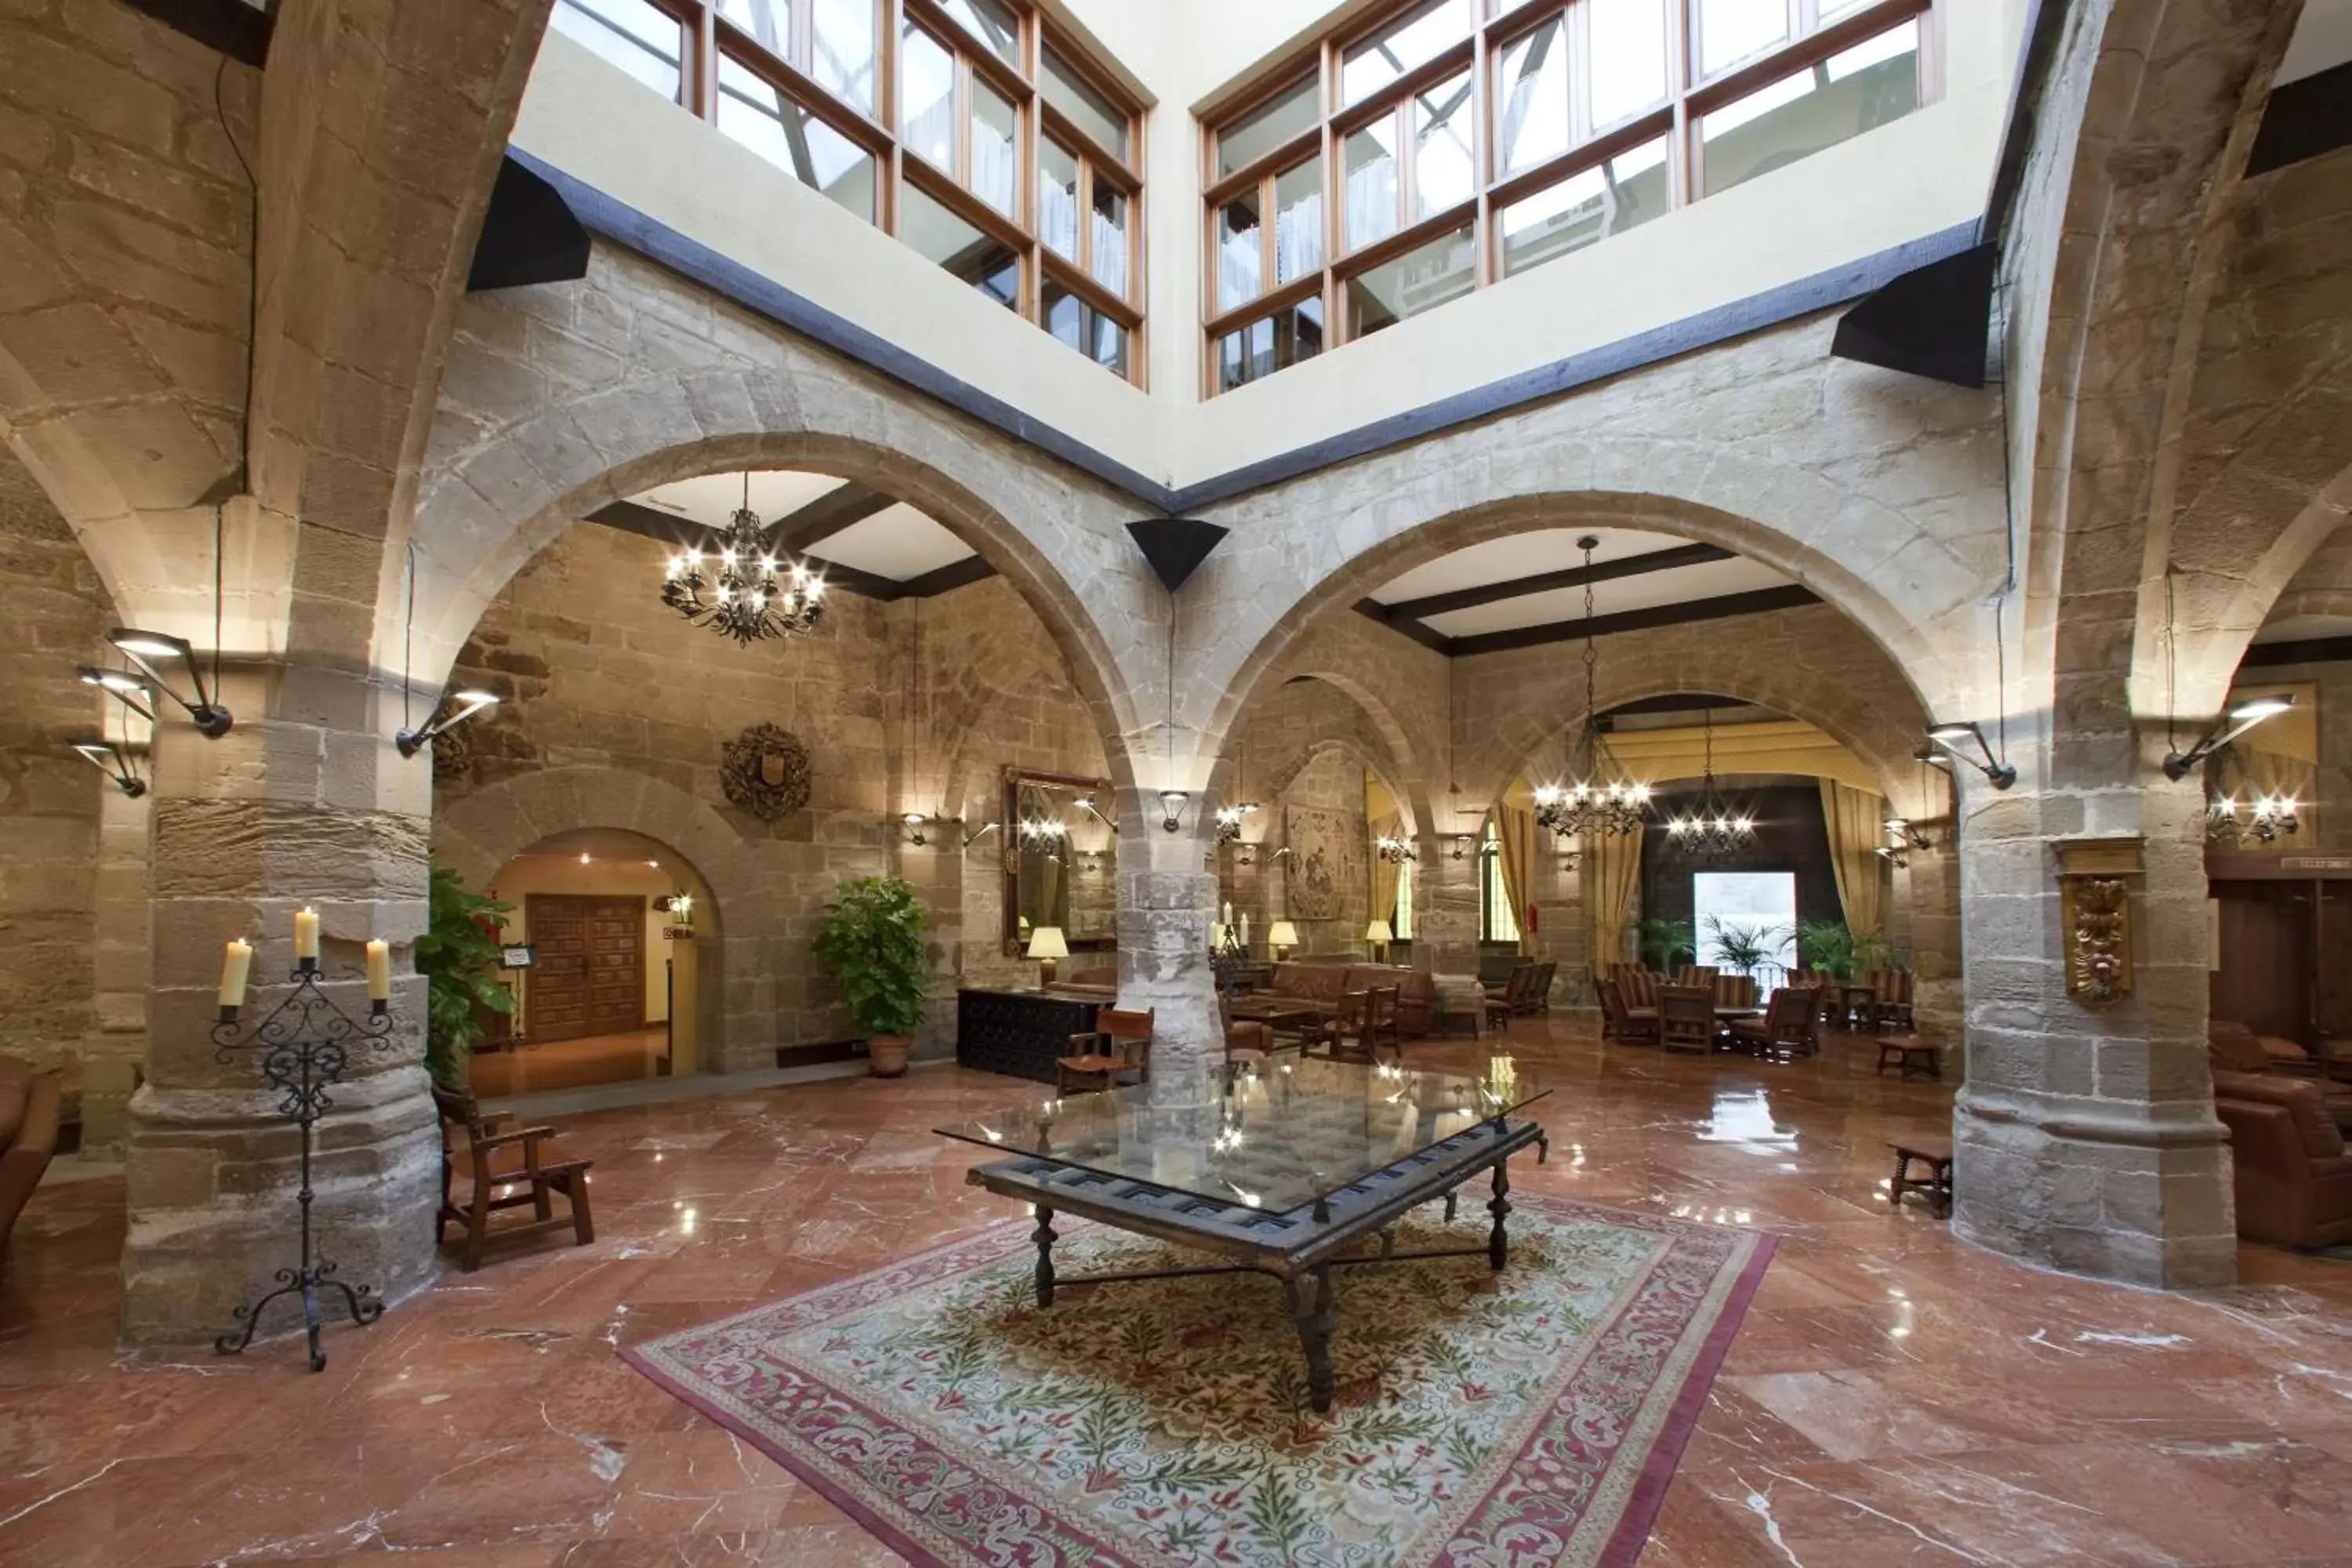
column 1061, row 864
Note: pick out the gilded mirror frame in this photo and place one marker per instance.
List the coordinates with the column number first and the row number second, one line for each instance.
column 1017, row 779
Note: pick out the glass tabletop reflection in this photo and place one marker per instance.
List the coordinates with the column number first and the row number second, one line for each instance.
column 1269, row 1134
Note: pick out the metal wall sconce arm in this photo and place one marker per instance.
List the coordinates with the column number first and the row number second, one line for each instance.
column 1951, row 736
column 149, row 650
column 2233, row 724
column 127, row 689
column 983, row 831
column 447, row 714
column 115, row 763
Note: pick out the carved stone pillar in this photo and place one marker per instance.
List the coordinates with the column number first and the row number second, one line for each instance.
column 1934, row 876
column 1445, row 907
column 2085, row 1132
column 305, row 803
column 1167, row 902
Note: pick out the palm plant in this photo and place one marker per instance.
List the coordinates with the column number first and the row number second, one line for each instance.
column 1744, row 948
column 458, row 956
column 1659, row 940
column 1832, row 947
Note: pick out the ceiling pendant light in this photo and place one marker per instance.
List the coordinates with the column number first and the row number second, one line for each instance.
column 755, row 594
column 1602, row 803
column 1714, row 826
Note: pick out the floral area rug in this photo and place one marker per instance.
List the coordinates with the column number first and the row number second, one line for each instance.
column 1533, row 1416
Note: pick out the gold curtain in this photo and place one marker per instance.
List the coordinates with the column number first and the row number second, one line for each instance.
column 1856, row 820
column 1515, row 837
column 1384, row 872
column 1613, row 866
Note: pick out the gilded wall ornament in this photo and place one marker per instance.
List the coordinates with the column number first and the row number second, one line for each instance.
column 2095, row 886
column 765, row 770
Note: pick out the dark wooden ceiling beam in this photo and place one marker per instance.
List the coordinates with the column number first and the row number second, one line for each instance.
column 1550, row 582
column 2304, row 650
column 941, row 579
column 1723, row 606
column 685, row 533
column 828, row 515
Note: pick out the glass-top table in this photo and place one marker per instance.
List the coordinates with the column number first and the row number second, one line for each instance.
column 1270, row 1135
column 1283, row 1168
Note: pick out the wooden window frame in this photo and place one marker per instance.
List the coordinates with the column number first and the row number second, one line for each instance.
column 1495, row 25
column 707, row 36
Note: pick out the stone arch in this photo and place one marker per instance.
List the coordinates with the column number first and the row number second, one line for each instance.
column 481, row 831
column 521, row 454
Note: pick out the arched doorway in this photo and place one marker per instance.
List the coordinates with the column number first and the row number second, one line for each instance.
column 615, row 939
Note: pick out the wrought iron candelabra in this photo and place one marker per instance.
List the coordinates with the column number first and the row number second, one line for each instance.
column 304, row 1043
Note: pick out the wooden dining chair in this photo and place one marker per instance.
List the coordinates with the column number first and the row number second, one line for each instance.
column 1786, row 1028
column 1353, row 1033
column 507, row 1170
column 1686, row 1017
column 1120, row 1042
column 1623, row 1026
column 1890, row 1000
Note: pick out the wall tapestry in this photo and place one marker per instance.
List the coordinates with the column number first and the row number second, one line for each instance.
column 1322, row 863
column 765, row 770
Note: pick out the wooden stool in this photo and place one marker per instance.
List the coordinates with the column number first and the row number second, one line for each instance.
column 1936, row 1154
column 1910, row 1054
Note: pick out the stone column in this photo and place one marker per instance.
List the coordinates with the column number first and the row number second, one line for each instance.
column 1445, row 906
column 111, row 1063
column 1934, row 876
column 304, row 802
column 934, row 868
column 2087, row 1136
column 1167, row 902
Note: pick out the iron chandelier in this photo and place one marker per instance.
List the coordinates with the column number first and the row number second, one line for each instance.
column 1602, row 803
column 1713, row 827
column 757, row 594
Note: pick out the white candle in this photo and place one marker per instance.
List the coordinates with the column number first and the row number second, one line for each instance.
column 306, row 933
column 236, row 965
column 1245, row 931
column 379, row 968
column 1229, row 912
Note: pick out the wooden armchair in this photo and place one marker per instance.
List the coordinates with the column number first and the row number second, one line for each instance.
column 1364, row 1026
column 1120, row 1042
column 1247, row 1039
column 508, row 1170
column 1625, row 1025
column 1790, row 1024
column 1890, row 1000
column 1686, row 1017
column 1537, row 997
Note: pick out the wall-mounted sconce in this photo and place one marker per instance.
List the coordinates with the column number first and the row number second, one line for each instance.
column 679, row 907
column 1171, row 806
column 1395, row 851
column 447, row 714
column 1903, row 834
column 914, row 821
column 1951, row 736
column 115, row 763
column 1893, row 856
column 2234, row 723
column 127, row 689
column 1570, row 859
column 150, row 650
column 1044, row 828
column 1086, row 803
column 983, row 831
column 1464, row 843
column 1230, row 818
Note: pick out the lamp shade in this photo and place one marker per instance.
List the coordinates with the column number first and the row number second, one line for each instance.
column 1282, row 933
column 1378, row 932
column 1045, row 942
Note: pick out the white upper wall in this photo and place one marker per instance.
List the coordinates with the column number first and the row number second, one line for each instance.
column 1920, row 176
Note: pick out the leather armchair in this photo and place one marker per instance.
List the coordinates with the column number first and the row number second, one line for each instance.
column 2234, row 1049
column 2293, row 1175
column 29, row 1105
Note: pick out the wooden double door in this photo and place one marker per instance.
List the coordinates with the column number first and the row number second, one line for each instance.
column 590, row 974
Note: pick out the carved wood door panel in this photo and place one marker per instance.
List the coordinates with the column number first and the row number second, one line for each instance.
column 591, row 977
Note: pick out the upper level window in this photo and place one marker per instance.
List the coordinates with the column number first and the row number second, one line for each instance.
column 962, row 127
column 1446, row 144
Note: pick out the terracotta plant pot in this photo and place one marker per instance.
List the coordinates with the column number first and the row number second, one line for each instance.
column 887, row 1054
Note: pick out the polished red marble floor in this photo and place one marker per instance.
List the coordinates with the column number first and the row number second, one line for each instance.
column 1894, row 1398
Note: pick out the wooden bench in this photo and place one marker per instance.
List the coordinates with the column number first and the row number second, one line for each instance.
column 508, row 1170
column 1911, row 1055
column 1936, row 1154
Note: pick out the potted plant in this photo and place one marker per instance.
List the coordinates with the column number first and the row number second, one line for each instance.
column 458, row 956
column 1832, row 947
column 1744, row 948
column 871, row 940
column 1659, row 940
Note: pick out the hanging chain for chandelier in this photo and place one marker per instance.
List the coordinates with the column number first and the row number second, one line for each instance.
column 1602, row 803
column 1713, row 826
column 757, row 594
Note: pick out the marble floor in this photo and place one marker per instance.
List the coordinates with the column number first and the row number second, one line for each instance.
column 1894, row 1398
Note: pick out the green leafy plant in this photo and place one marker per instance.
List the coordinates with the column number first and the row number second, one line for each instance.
column 458, row 956
column 1832, row 947
column 1744, row 948
column 871, row 940
column 1659, row 940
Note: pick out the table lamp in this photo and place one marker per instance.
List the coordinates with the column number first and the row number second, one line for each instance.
column 1281, row 936
column 1045, row 944
column 1377, row 936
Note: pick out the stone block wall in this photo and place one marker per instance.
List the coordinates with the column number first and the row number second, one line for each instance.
column 73, row 850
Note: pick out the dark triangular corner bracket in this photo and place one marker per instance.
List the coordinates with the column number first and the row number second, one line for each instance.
column 529, row 235
column 1933, row 320
column 1176, row 546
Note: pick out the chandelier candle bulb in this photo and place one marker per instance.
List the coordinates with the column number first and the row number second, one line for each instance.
column 236, row 968
column 306, row 937
column 379, row 970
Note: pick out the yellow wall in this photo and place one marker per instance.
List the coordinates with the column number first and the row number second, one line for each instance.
column 1773, row 746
